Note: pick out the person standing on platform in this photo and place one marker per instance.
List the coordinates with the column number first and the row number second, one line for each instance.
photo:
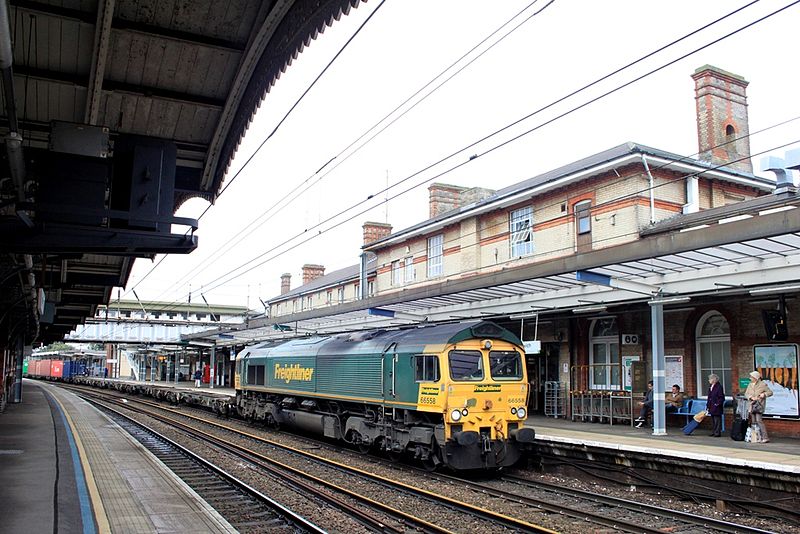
column 674, row 400
column 757, row 392
column 715, row 403
column 198, row 375
column 647, row 406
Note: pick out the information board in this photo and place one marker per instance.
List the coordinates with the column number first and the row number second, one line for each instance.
column 673, row 368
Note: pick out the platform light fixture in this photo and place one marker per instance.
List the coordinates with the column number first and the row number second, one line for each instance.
column 670, row 300
column 590, row 309
column 774, row 289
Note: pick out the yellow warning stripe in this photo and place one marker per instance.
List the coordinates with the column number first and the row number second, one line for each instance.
column 103, row 526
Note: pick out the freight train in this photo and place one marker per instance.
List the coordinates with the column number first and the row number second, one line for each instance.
column 53, row 369
column 452, row 394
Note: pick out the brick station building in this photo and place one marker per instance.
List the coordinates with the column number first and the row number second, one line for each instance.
column 603, row 201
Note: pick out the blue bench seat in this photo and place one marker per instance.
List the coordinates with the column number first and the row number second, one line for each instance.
column 692, row 407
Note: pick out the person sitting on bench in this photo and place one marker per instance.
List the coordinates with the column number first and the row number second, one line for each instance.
column 674, row 400
column 647, row 406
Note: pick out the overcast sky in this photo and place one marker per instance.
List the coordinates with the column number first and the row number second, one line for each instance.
column 405, row 45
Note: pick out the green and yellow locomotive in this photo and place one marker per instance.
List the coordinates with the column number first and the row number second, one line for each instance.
column 453, row 394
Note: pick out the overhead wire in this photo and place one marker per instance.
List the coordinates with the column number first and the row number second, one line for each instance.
column 274, row 129
column 492, row 149
column 293, row 195
column 449, row 170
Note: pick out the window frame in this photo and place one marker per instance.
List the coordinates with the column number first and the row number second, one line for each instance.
column 520, row 232
column 436, row 368
column 579, row 208
column 480, row 366
column 607, row 341
column 709, row 339
column 435, row 256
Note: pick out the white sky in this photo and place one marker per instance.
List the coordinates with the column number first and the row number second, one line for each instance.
column 406, row 44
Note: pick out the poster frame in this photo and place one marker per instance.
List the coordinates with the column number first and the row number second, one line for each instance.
column 797, row 367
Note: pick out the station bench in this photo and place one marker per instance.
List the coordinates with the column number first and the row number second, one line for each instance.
column 692, row 407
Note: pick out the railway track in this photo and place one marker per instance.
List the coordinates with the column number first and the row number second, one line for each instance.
column 473, row 516
column 603, row 510
column 244, row 507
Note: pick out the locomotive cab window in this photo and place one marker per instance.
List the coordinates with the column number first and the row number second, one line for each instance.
column 466, row 365
column 426, row 368
column 505, row 365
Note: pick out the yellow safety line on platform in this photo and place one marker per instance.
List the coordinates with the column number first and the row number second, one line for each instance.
column 103, row 526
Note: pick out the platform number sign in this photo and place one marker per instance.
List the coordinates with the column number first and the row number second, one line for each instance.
column 630, row 339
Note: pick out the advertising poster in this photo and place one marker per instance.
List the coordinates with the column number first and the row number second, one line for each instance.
column 778, row 367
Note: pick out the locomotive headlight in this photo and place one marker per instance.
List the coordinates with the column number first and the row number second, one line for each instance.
column 455, row 415
column 465, row 412
column 487, row 344
column 521, row 413
column 513, row 411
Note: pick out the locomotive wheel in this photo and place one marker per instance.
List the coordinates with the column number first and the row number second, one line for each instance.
column 434, row 459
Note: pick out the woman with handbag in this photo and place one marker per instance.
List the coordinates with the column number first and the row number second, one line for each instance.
column 757, row 393
column 715, row 403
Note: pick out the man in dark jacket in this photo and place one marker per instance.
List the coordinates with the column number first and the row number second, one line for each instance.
column 715, row 403
column 647, row 406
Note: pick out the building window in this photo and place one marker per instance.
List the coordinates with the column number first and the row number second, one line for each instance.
column 329, row 296
column 402, row 271
column 521, row 232
column 426, row 368
column 713, row 352
column 356, row 288
column 341, row 295
column 583, row 217
column 397, row 273
column 308, row 302
column 604, row 361
column 370, row 288
column 435, row 254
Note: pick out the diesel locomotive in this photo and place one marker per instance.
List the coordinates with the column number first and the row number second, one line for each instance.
column 452, row 394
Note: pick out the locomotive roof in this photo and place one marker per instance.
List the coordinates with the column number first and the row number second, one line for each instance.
column 379, row 341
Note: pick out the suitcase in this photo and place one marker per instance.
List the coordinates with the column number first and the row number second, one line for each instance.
column 739, row 429
column 690, row 426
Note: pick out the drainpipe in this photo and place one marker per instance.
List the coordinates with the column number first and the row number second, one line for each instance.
column 652, row 184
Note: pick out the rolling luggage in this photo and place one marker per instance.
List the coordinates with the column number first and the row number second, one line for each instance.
column 690, row 426
column 738, row 429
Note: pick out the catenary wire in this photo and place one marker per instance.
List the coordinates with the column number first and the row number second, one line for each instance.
column 504, row 143
column 274, row 130
column 686, row 55
column 291, row 196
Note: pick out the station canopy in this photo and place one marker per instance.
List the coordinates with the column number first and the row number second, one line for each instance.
column 87, row 73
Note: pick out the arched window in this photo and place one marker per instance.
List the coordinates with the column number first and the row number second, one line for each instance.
column 713, row 352
column 729, row 130
column 604, row 354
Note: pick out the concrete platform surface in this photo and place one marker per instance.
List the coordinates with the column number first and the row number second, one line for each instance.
column 780, row 454
column 65, row 466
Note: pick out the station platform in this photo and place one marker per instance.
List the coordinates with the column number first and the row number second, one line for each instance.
column 66, row 467
column 780, row 455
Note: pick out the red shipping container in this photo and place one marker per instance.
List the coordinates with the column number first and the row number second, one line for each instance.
column 33, row 367
column 56, row 368
column 44, row 368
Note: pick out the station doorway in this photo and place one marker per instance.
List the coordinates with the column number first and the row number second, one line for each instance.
column 542, row 368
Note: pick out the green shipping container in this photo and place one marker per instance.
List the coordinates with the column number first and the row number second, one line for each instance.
column 25, row 366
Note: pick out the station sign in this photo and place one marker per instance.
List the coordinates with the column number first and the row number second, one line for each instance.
column 630, row 339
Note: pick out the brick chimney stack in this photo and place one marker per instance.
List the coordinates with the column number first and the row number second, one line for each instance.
column 286, row 283
column 444, row 197
column 373, row 231
column 722, row 127
column 312, row 272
